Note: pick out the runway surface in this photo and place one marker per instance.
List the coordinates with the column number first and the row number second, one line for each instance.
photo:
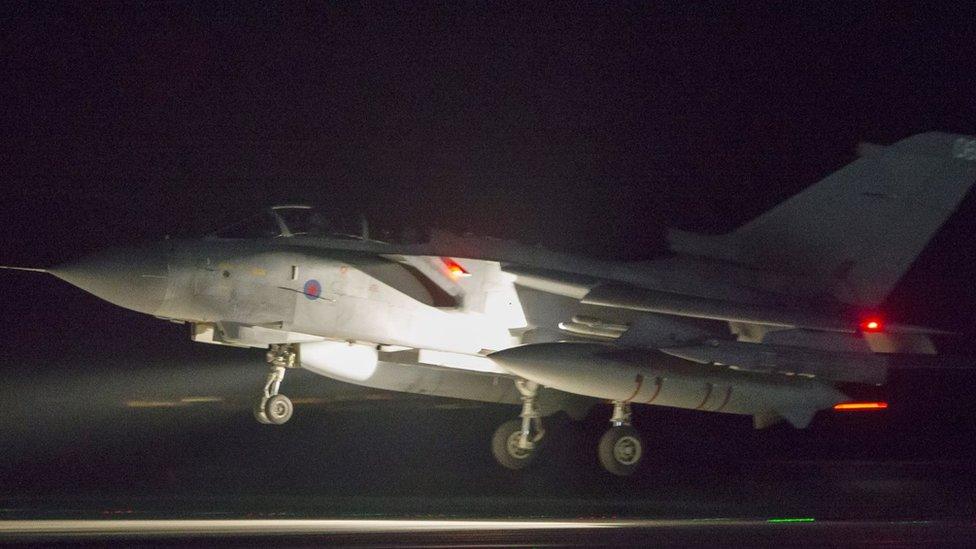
column 499, row 533
column 169, row 453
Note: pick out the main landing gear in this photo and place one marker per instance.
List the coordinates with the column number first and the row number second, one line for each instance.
column 516, row 442
column 621, row 449
column 274, row 408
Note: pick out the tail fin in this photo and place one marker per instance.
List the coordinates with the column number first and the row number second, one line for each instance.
column 858, row 230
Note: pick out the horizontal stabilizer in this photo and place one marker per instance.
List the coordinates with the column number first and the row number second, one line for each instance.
column 916, row 344
column 791, row 361
column 904, row 341
column 623, row 296
column 930, row 362
column 821, row 341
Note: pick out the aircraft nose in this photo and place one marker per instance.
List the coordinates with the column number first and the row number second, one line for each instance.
column 134, row 278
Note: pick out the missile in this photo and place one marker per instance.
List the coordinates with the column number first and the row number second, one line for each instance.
column 651, row 377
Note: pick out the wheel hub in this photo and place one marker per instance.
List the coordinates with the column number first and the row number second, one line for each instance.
column 279, row 409
column 627, row 450
column 513, row 447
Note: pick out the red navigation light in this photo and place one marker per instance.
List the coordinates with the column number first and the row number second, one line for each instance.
column 872, row 325
column 860, row 406
column 454, row 269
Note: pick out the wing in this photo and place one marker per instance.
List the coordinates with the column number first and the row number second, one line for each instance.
column 623, row 342
column 766, row 311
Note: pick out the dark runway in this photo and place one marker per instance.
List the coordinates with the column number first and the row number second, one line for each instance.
column 522, row 533
column 149, row 440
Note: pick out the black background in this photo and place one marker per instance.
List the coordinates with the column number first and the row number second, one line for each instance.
column 584, row 127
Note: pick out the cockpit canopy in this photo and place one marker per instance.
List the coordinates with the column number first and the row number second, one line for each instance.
column 296, row 220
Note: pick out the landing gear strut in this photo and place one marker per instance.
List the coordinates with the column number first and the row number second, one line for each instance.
column 274, row 408
column 516, row 442
column 621, row 448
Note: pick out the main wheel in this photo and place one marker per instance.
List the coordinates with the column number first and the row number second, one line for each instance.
column 505, row 448
column 278, row 409
column 621, row 450
column 259, row 414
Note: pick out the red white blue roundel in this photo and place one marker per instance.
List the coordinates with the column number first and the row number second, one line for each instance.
column 312, row 289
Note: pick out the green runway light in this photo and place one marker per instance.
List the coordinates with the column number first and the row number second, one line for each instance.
column 791, row 519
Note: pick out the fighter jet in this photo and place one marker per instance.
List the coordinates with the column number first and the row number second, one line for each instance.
column 771, row 320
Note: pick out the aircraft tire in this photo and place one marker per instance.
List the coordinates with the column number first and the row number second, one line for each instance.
column 278, row 409
column 260, row 415
column 504, row 446
column 621, row 450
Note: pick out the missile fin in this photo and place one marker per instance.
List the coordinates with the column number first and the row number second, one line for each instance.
column 799, row 417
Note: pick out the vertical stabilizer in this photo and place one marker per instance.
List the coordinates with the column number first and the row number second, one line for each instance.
column 858, row 230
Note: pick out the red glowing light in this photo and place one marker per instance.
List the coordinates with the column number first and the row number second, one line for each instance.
column 872, row 325
column 454, row 269
column 860, row 406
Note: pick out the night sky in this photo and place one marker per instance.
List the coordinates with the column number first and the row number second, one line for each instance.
column 584, row 127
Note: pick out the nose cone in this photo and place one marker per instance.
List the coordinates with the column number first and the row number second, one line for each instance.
column 134, row 278
column 552, row 364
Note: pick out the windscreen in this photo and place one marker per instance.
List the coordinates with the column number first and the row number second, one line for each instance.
column 304, row 221
column 294, row 221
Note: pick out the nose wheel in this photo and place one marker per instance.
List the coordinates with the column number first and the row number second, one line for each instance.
column 275, row 408
column 621, row 448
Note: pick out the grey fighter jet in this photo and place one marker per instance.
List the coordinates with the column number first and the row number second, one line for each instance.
column 767, row 321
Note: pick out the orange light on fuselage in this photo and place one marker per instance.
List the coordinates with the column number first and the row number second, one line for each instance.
column 454, row 269
column 860, row 406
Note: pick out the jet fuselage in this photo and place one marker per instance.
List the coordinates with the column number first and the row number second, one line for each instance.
column 333, row 294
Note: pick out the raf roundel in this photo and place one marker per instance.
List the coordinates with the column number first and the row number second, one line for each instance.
column 312, row 289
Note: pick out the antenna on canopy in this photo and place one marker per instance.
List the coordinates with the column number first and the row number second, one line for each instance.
column 363, row 226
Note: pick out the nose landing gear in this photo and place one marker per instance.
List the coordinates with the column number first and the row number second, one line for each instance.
column 274, row 408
